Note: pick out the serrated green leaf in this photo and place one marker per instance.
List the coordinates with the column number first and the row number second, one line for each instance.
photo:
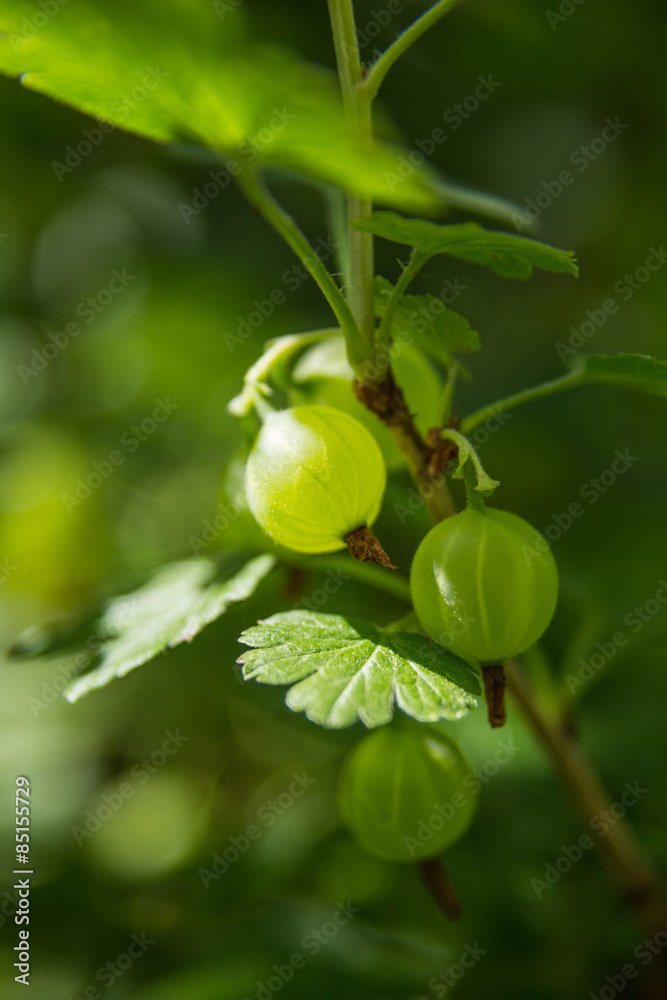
column 172, row 70
column 173, row 607
column 640, row 371
column 428, row 322
column 343, row 670
column 505, row 254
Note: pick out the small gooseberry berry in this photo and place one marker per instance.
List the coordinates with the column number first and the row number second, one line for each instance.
column 406, row 792
column 314, row 475
column 484, row 584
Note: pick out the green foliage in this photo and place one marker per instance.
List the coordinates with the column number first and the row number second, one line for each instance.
column 430, row 325
column 132, row 65
column 173, row 607
column 343, row 670
column 636, row 371
column 506, row 255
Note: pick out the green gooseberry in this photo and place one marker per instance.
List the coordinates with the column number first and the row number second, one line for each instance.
column 406, row 792
column 314, row 475
column 484, row 584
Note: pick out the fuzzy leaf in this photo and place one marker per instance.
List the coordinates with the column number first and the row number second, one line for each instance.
column 428, row 322
column 173, row 607
column 505, row 254
column 343, row 670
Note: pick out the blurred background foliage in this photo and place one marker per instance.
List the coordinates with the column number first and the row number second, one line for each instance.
column 163, row 338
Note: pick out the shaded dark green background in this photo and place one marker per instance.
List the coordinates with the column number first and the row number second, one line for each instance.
column 164, row 338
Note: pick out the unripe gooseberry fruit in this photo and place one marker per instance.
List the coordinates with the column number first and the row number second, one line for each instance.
column 484, row 584
column 313, row 476
column 406, row 793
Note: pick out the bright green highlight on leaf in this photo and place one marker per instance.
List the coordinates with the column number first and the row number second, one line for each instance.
column 343, row 670
column 173, row 71
column 180, row 601
column 428, row 323
column 400, row 779
column 503, row 253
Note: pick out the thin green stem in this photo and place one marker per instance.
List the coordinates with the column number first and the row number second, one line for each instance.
column 358, row 105
column 414, row 265
column 503, row 405
column 391, row 583
column 259, row 196
column 473, row 495
column 383, row 64
column 447, row 397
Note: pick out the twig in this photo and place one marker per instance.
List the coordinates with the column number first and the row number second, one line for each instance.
column 436, row 879
column 494, row 692
column 385, row 399
column 624, row 857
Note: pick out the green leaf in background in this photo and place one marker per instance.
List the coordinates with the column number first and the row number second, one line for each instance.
column 634, row 371
column 348, row 670
column 639, row 371
column 132, row 65
column 503, row 253
column 428, row 322
column 173, row 607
